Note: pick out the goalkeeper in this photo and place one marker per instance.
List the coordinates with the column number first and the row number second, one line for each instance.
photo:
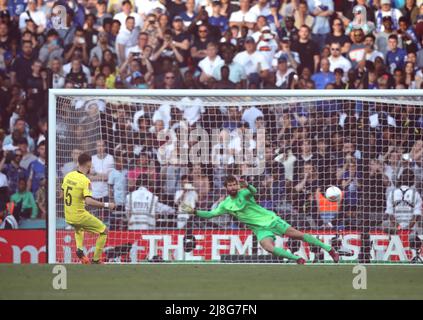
column 264, row 223
column 77, row 192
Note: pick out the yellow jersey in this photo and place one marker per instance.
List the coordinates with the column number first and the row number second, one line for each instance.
column 76, row 186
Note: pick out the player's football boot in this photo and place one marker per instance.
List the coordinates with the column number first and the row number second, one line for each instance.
column 334, row 255
column 82, row 257
column 301, row 261
column 97, row 262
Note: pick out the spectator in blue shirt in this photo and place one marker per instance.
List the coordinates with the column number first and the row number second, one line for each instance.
column 324, row 77
column 274, row 19
column 189, row 15
column 37, row 169
column 13, row 170
column 118, row 189
column 118, row 183
column 407, row 36
column 395, row 57
column 322, row 10
column 351, row 184
column 15, row 8
column 217, row 19
column 21, row 127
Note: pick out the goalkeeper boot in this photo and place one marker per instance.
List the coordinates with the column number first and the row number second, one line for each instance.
column 301, row 261
column 334, row 255
column 82, row 257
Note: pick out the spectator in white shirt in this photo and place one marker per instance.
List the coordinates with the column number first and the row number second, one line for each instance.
column 127, row 12
column 250, row 116
column 252, row 61
column 285, row 50
column 101, row 46
column 337, row 60
column 257, row 31
column 209, row 63
column 370, row 53
column 142, row 42
column 68, row 67
column 284, row 74
column 385, row 11
column 192, row 109
column 143, row 206
column 403, row 205
column 27, row 156
column 126, row 39
column 322, row 10
column 145, row 7
column 262, row 8
column 236, row 71
column 102, row 164
column 20, row 126
column 188, row 196
column 243, row 17
column 32, row 13
column 267, row 44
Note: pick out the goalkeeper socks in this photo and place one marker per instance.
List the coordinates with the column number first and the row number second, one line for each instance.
column 79, row 238
column 99, row 245
column 312, row 240
column 285, row 254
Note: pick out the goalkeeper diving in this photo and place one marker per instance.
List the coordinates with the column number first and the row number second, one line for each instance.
column 265, row 224
column 77, row 192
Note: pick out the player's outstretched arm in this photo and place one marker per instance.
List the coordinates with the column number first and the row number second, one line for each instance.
column 92, row 202
column 204, row 214
column 213, row 213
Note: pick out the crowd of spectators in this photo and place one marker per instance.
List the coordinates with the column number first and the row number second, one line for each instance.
column 200, row 44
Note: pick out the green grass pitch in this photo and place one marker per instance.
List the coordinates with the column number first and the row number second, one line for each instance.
column 210, row 281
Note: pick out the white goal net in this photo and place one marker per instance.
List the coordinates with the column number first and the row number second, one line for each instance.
column 155, row 150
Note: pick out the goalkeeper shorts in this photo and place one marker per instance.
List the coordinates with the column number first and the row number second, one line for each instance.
column 279, row 227
column 87, row 222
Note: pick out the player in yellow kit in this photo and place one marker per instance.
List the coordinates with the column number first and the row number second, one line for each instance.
column 77, row 192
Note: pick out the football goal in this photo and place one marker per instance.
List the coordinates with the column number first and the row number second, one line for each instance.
column 156, row 151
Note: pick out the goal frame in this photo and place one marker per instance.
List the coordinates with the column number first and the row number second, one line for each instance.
column 53, row 94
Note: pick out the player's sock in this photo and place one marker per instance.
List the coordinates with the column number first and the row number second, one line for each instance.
column 285, row 254
column 312, row 240
column 79, row 238
column 99, row 245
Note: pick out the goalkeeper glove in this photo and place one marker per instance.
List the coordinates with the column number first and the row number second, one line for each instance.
column 187, row 208
column 243, row 183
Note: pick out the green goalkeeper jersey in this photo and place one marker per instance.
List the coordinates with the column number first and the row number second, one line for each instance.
column 244, row 208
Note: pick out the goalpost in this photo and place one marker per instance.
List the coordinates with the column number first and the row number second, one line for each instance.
column 154, row 150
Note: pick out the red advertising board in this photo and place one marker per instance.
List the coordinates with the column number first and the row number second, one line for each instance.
column 212, row 244
column 23, row 246
column 29, row 246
